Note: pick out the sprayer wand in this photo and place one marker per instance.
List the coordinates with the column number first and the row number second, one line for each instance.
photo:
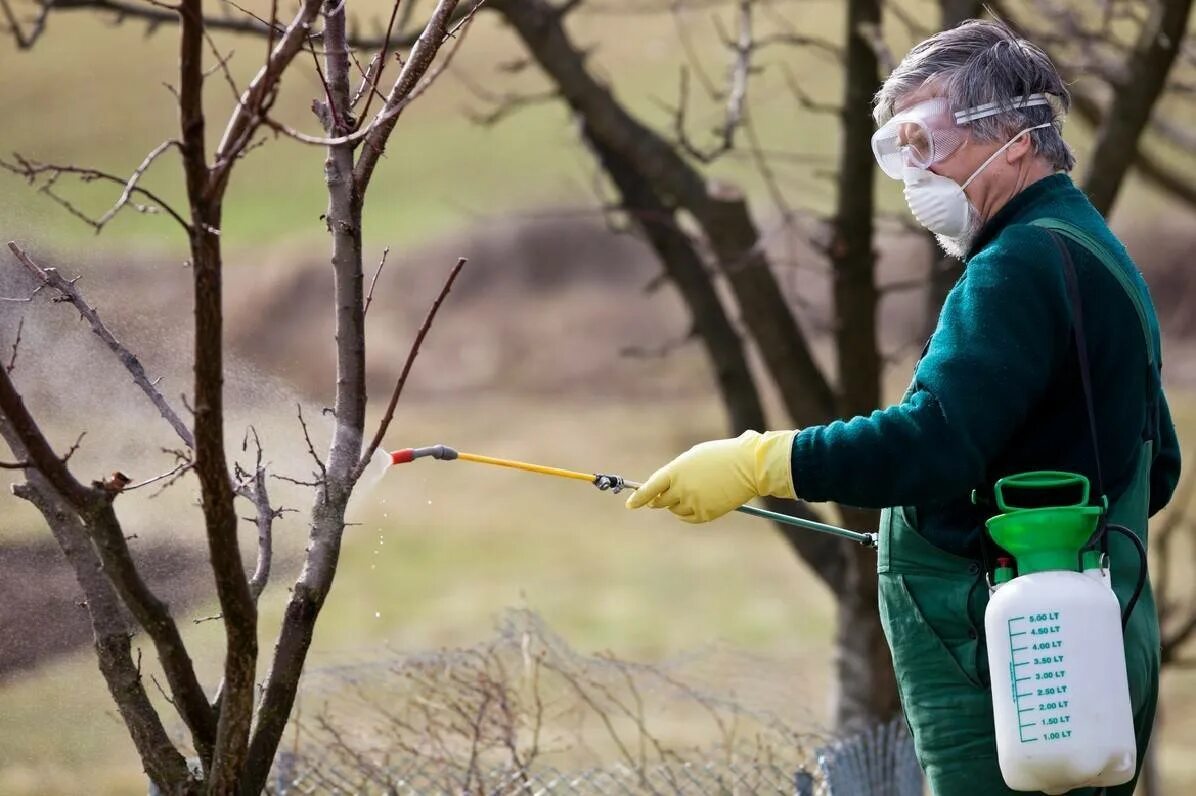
column 615, row 484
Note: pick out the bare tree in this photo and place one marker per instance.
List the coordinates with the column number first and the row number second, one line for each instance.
column 234, row 734
column 690, row 220
column 666, row 193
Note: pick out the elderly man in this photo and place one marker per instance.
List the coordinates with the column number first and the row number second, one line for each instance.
column 1045, row 358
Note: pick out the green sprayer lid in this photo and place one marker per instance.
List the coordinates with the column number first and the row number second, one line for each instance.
column 1043, row 536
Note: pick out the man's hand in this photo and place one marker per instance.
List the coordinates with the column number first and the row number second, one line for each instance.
column 715, row 477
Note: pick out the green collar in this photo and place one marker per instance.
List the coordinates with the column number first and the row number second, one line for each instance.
column 1026, row 203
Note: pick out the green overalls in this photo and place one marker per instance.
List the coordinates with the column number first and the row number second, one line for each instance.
column 932, row 609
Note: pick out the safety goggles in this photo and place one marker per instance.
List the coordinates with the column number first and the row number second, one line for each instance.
column 928, row 133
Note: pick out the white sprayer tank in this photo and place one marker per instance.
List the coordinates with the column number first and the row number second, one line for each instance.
column 1061, row 702
column 1061, row 698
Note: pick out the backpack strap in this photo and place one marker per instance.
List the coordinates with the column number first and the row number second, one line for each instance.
column 1114, row 267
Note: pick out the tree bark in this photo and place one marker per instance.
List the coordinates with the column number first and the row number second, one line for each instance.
column 1134, row 97
column 868, row 690
column 111, row 631
column 237, row 607
column 343, row 219
column 94, row 508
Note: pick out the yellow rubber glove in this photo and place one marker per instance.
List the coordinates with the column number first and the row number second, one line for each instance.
column 715, row 477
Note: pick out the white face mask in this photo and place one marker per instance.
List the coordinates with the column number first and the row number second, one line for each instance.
column 940, row 204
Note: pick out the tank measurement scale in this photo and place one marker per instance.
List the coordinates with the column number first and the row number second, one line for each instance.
column 1039, row 677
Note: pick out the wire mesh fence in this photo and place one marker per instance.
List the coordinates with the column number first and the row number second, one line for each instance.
column 525, row 714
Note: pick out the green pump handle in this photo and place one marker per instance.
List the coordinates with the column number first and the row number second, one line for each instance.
column 1042, row 480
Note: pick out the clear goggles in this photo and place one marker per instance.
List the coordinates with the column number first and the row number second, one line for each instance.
column 928, row 133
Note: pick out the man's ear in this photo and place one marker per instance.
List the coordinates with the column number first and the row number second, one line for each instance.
column 1019, row 149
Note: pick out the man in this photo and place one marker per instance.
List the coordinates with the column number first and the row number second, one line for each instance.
column 970, row 121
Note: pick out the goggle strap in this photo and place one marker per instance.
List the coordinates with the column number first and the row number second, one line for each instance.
column 1000, row 106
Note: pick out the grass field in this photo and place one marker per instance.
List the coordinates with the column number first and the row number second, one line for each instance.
column 441, row 549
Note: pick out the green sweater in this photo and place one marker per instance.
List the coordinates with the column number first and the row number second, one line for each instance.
column 997, row 390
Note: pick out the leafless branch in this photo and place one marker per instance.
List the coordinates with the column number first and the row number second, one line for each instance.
column 367, row 80
column 32, row 170
column 258, row 98
column 264, row 520
column 70, row 293
column 411, row 355
column 691, row 55
column 27, row 40
column 162, row 691
column 74, row 447
column 803, row 98
column 253, row 26
column 12, row 362
column 310, row 447
column 221, row 65
column 458, row 36
column 15, row 465
column 423, row 52
column 110, row 543
column 369, row 298
column 505, row 105
column 178, row 470
column 741, row 66
column 295, row 481
column 371, row 82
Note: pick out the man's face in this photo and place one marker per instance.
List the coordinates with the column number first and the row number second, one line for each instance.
column 961, row 163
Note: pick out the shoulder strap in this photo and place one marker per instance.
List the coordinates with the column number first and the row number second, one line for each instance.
column 1105, row 257
column 1077, row 326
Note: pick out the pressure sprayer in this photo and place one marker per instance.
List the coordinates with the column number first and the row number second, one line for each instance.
column 611, row 483
column 1060, row 693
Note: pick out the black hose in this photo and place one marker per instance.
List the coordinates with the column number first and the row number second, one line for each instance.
column 1133, row 537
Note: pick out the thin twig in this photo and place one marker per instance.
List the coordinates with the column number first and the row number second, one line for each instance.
column 264, row 522
column 12, row 362
column 153, row 677
column 381, row 60
column 426, row 83
column 222, row 65
column 70, row 293
column 32, row 170
column 177, row 470
column 740, row 68
column 24, row 42
column 15, row 465
column 369, row 296
column 75, row 447
column 310, row 447
column 411, row 355
column 296, row 481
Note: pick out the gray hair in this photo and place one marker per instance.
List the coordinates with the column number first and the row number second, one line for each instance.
column 978, row 62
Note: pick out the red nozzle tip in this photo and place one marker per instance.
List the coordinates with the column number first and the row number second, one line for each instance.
column 403, row 456
column 1004, row 562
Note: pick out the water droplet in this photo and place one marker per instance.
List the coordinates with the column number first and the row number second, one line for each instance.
column 377, row 614
column 429, row 503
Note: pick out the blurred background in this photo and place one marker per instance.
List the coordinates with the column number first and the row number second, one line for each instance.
column 565, row 340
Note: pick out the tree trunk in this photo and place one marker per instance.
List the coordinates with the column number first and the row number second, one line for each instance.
column 867, row 686
column 1134, row 97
